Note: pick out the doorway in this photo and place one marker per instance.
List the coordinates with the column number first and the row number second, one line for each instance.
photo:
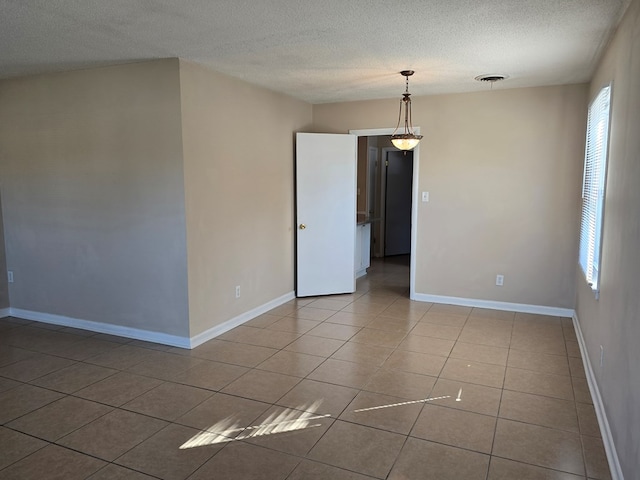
column 397, row 202
column 400, row 219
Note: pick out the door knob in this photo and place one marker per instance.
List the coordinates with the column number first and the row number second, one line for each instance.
column 302, row 226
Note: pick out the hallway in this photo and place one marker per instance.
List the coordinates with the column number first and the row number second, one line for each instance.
column 369, row 385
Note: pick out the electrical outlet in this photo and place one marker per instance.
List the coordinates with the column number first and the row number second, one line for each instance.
column 238, row 291
column 10, row 276
column 499, row 280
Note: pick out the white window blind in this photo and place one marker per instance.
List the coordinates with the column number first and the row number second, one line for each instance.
column 593, row 186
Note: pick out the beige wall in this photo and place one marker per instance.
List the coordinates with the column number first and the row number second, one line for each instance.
column 93, row 195
column 613, row 321
column 4, row 286
column 503, row 169
column 238, row 151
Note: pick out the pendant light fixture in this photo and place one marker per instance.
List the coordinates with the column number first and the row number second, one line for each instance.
column 407, row 140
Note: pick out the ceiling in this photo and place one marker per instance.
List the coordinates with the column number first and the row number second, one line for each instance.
column 320, row 50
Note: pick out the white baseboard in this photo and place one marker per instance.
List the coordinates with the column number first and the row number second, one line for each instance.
column 512, row 307
column 603, row 422
column 147, row 335
column 128, row 332
column 213, row 332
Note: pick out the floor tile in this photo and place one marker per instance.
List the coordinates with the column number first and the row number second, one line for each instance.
column 319, row 388
column 431, row 461
column 74, row 377
column 259, row 337
column 362, row 353
column 588, row 420
column 234, row 353
column 380, row 338
column 466, row 396
column 538, row 344
column 539, row 410
column 23, row 399
column 291, row 363
column 595, row 458
column 549, row 330
column 165, row 456
column 403, row 313
column 414, row 362
column 446, row 332
column 165, row 366
column 329, row 303
column 112, row 435
column 289, row 430
column 123, row 356
column 449, row 309
column 223, row 408
column 168, row 401
column 293, row 325
column 15, row 446
column 473, row 372
column 53, row 463
column 283, row 310
column 526, row 381
column 34, row 367
column 385, row 412
column 81, row 350
column 347, row 374
column 264, row 321
column 391, row 324
column 491, row 322
column 365, row 308
column 116, row 472
column 309, row 470
column 477, row 312
column 480, row 353
column 457, row 428
column 581, row 390
column 444, row 319
column 59, row 418
column 492, row 336
column 118, row 389
column 261, row 385
column 538, row 362
column 410, row 386
column 334, row 330
column 573, row 349
column 334, row 398
column 310, row 313
column 576, row 367
column 503, row 469
column 350, row 318
column 8, row 384
column 210, row 375
column 429, row 345
column 357, row 448
column 541, row 446
column 231, row 464
column 323, row 347
column 9, row 355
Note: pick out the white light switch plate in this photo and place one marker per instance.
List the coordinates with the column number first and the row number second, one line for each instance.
column 425, row 196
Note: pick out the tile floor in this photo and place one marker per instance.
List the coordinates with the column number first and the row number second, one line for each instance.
column 370, row 385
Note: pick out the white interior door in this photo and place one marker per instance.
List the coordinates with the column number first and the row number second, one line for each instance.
column 325, row 213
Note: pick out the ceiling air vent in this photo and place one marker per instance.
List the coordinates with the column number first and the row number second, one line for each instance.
column 491, row 78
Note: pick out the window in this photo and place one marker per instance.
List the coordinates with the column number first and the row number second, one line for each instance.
column 593, row 186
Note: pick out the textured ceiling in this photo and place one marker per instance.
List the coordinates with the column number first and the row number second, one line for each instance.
column 320, row 50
